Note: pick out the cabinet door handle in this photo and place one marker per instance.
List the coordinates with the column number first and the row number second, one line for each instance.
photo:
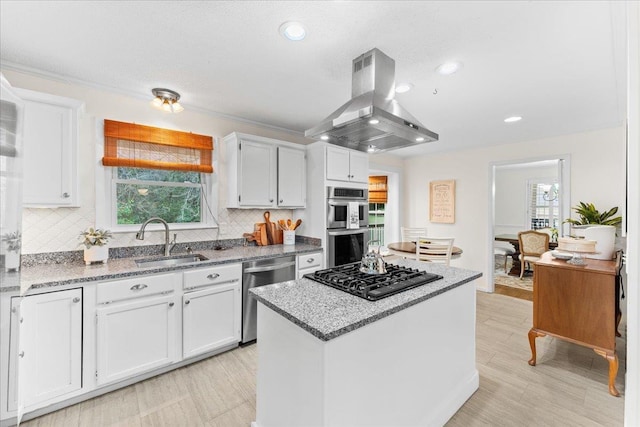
column 281, row 200
column 66, row 195
column 213, row 276
column 310, row 260
column 138, row 287
column 171, row 304
column 76, row 299
column 270, row 200
column 187, row 302
column 21, row 354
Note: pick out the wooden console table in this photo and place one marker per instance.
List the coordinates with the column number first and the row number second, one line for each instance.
column 578, row 304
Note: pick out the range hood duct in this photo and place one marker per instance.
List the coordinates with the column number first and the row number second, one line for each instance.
column 372, row 120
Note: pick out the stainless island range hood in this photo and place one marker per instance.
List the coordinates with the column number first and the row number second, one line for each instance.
column 372, row 120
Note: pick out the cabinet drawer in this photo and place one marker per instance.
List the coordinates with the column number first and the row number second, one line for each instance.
column 309, row 260
column 135, row 287
column 212, row 276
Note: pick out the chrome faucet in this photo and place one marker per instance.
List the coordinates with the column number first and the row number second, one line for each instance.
column 167, row 245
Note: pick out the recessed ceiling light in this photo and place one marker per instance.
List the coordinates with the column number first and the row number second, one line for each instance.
column 419, row 139
column 403, row 87
column 512, row 119
column 374, row 121
column 324, row 137
column 371, row 149
column 293, row 31
column 448, row 68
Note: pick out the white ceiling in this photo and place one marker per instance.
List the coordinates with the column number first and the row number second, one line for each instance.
column 559, row 65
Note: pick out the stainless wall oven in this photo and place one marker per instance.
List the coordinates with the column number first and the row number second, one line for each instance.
column 344, row 204
column 347, row 224
column 345, row 246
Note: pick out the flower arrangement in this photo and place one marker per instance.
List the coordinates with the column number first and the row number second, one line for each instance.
column 95, row 237
column 14, row 240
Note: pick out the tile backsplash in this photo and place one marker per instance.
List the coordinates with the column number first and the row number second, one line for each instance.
column 57, row 230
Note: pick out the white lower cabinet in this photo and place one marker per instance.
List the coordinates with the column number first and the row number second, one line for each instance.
column 50, row 346
column 211, row 309
column 138, row 334
column 135, row 337
column 308, row 263
column 211, row 319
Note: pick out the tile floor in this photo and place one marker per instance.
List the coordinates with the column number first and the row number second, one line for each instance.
column 568, row 387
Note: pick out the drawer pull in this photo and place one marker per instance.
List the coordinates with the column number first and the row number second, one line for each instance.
column 76, row 300
column 21, row 354
column 213, row 276
column 187, row 302
column 138, row 287
column 310, row 260
column 171, row 304
column 66, row 195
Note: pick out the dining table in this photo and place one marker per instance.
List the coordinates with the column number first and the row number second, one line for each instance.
column 408, row 250
column 513, row 239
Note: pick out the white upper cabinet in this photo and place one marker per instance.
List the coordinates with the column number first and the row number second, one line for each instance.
column 347, row 165
column 264, row 172
column 257, row 174
column 292, row 178
column 50, row 150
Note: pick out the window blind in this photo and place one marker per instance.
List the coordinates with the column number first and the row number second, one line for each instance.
column 138, row 146
column 377, row 189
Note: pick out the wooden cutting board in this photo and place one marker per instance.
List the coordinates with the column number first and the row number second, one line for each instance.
column 260, row 233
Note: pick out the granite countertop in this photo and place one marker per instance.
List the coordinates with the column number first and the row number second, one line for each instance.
column 327, row 313
column 47, row 275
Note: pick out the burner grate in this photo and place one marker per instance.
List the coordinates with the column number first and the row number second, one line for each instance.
column 349, row 278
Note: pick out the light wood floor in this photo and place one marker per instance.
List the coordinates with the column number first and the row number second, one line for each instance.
column 568, row 387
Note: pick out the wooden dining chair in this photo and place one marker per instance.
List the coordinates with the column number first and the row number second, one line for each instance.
column 411, row 234
column 532, row 245
column 434, row 249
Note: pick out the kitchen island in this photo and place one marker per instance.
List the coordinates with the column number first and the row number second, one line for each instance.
column 327, row 358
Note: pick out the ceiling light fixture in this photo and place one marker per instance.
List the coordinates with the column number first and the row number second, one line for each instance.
column 374, row 121
column 371, row 149
column 419, row 139
column 293, row 31
column 324, row 138
column 448, row 68
column 403, row 87
column 166, row 100
column 512, row 119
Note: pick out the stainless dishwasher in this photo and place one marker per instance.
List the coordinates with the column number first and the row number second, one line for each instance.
column 260, row 273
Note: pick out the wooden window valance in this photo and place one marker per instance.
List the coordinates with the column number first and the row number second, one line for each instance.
column 138, row 146
column 378, row 189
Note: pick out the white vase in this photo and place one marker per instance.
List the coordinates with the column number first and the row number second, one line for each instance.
column 96, row 254
column 11, row 261
column 605, row 237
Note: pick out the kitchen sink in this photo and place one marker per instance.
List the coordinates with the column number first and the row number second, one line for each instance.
column 170, row 261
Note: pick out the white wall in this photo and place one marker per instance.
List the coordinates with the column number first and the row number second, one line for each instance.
column 52, row 230
column 632, row 383
column 511, row 194
column 597, row 175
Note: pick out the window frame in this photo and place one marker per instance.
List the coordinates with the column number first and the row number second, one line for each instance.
column 106, row 177
column 551, row 207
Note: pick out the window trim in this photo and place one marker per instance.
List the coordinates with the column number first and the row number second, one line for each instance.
column 105, row 206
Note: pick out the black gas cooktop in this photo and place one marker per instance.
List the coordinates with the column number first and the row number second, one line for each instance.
column 349, row 278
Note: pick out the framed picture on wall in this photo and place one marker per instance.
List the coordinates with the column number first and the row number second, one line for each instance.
column 442, row 201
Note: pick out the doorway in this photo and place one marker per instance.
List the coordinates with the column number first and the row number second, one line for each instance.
column 385, row 217
column 526, row 194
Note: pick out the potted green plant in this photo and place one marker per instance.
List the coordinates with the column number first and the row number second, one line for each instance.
column 601, row 227
column 95, row 245
column 13, row 242
column 590, row 215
